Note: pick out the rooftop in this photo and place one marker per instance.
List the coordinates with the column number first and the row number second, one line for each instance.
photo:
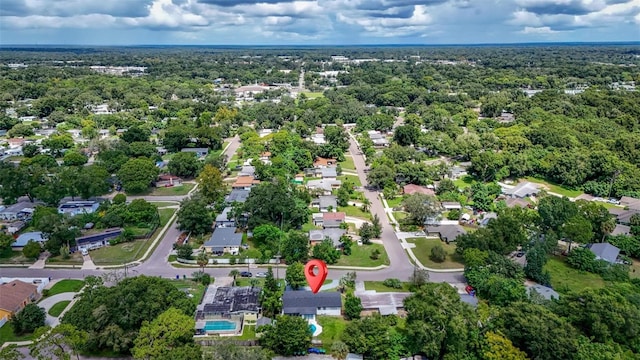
column 306, row 302
column 333, row 216
column 226, row 300
column 321, row 234
column 238, row 195
column 523, row 189
column 605, row 251
column 447, row 232
column 417, row 189
column 13, row 294
column 23, row 239
column 222, row 237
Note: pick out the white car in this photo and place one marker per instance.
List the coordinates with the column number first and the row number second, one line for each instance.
column 261, row 274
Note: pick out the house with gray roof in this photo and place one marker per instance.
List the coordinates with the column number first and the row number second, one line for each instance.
column 200, row 152
column 247, row 170
column 325, row 185
column 318, row 235
column 621, row 230
column 446, row 233
column 237, row 195
column 307, row 304
column 224, row 219
column 18, row 211
column 326, row 202
column 224, row 240
column 523, row 190
column 605, row 251
column 328, row 173
column 24, row 238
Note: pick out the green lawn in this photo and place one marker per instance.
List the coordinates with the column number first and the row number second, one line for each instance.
column 6, row 335
column 67, row 285
column 172, row 191
column 361, row 256
column 165, row 215
column 634, row 270
column 422, row 251
column 379, row 287
column 313, row 95
column 74, row 259
column 332, row 329
column 348, row 163
column 308, row 226
column 464, row 182
column 191, row 287
column 350, row 178
column 395, row 202
column 58, row 308
column 121, row 253
column 564, row 278
column 164, row 203
column 14, row 257
column 555, row 187
column 355, row 211
column 399, row 215
column 248, row 333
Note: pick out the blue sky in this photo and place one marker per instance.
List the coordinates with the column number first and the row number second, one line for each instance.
column 266, row 22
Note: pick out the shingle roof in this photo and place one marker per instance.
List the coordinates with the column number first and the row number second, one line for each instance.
column 14, row 293
column 447, row 232
column 23, row 239
column 523, row 189
column 417, row 189
column 329, row 200
column 239, row 195
column 605, row 251
column 306, row 302
column 222, row 237
column 333, row 234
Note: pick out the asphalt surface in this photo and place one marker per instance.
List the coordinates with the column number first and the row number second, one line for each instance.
column 157, row 264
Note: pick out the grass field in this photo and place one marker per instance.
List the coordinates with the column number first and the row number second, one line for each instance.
column 6, row 335
column 164, row 203
column 395, row 202
column 14, row 257
column 313, row 95
column 399, row 215
column 555, row 187
column 130, row 251
column 348, row 163
column 248, row 333
column 172, row 191
column 379, row 287
column 422, row 251
column 355, row 211
column 191, row 287
column 58, row 308
column 332, row 329
column 464, row 182
column 350, row 178
column 564, row 278
column 67, row 285
column 361, row 256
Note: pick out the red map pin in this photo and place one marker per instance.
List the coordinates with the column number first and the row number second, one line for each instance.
column 315, row 280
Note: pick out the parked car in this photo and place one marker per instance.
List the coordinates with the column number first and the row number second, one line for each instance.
column 261, row 274
column 520, row 254
column 246, row 274
column 317, row 351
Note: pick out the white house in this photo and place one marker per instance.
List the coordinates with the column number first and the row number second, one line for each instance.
column 224, row 240
column 73, row 208
column 307, row 304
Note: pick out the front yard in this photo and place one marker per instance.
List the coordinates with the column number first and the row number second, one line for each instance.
column 173, row 190
column 350, row 178
column 380, row 287
column 422, row 251
column 361, row 256
column 355, row 211
column 348, row 163
column 67, row 285
column 14, row 257
column 7, row 335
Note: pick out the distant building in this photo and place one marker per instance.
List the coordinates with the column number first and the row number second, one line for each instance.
column 17, row 211
column 79, row 207
column 200, row 152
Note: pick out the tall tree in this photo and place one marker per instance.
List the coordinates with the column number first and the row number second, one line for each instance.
column 295, row 276
column 184, row 164
column 420, row 207
column 59, row 343
column 137, row 175
column 210, row 184
column 169, row 336
column 194, row 216
column 295, row 247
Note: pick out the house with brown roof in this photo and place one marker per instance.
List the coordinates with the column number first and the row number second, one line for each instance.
column 332, row 219
column 411, row 189
column 517, row 202
column 244, row 182
column 324, row 162
column 14, row 296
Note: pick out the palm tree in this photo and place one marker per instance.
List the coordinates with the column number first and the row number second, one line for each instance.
column 202, row 260
column 366, row 204
column 234, row 273
column 607, row 227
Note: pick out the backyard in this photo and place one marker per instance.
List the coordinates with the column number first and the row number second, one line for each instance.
column 6, row 335
column 332, row 329
column 173, row 190
column 564, row 278
column 464, row 182
column 361, row 256
column 422, row 251
column 192, row 288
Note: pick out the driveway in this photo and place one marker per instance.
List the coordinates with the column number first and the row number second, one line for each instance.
column 47, row 303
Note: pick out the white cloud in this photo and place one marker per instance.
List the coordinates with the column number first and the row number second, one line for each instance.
column 544, row 30
column 57, row 22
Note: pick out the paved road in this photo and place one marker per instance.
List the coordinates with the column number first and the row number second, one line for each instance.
column 47, row 303
column 157, row 265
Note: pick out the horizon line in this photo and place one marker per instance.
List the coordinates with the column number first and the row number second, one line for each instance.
column 331, row 45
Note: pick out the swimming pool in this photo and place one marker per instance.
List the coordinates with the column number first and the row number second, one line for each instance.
column 219, row 325
column 312, row 328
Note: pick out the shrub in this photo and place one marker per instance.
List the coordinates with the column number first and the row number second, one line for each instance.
column 392, row 283
column 438, row 254
column 375, row 254
column 454, row 214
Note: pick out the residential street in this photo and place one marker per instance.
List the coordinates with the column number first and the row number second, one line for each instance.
column 157, row 264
